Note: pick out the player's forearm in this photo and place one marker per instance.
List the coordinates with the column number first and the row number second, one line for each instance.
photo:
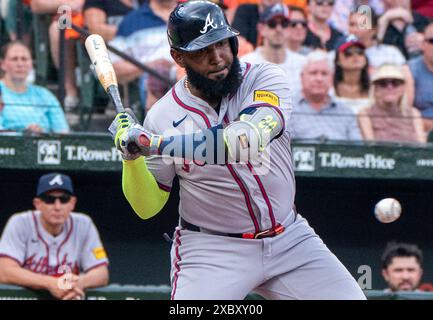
column 44, row 6
column 94, row 278
column 141, row 189
column 249, row 135
column 24, row 278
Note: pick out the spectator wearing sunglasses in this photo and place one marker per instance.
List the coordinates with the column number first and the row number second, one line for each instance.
column 52, row 248
column 297, row 30
column 390, row 118
column 377, row 52
column 422, row 70
column 274, row 22
column 351, row 80
column 320, row 34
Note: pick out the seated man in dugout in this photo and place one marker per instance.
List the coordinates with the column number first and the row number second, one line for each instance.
column 53, row 248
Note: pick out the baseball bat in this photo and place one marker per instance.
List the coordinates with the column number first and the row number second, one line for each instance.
column 98, row 53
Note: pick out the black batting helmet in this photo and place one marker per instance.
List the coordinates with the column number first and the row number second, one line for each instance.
column 194, row 25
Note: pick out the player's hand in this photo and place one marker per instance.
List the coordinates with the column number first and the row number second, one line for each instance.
column 76, row 293
column 59, row 287
column 130, row 138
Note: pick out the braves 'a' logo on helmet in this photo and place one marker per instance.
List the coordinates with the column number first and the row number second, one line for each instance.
column 208, row 23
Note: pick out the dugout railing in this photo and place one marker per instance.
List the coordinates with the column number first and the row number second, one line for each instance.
column 162, row 292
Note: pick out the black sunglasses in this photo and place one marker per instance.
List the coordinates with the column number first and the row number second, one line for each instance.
column 64, row 198
column 429, row 40
column 294, row 23
column 384, row 83
column 273, row 23
column 353, row 50
column 323, row 2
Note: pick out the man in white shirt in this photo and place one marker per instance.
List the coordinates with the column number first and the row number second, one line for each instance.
column 273, row 25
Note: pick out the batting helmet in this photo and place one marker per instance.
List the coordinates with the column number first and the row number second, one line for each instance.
column 194, row 25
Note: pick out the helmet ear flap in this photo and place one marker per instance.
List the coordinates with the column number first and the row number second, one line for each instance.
column 234, row 43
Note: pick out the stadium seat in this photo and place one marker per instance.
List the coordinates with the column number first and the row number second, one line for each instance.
column 44, row 67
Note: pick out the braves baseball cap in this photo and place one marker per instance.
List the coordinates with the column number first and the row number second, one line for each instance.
column 54, row 181
column 347, row 41
column 274, row 11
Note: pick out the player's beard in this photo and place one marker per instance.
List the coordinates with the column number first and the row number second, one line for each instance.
column 214, row 90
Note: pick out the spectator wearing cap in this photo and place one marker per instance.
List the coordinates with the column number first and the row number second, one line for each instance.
column 351, row 80
column 247, row 17
column 422, row 70
column 316, row 114
column 379, row 53
column 390, row 118
column 274, row 22
column 320, row 33
column 297, row 30
column 51, row 247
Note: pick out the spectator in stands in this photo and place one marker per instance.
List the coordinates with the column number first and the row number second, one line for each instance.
column 143, row 35
column 274, row 22
column 423, row 7
column 377, row 52
column 104, row 16
column 422, row 70
column 27, row 107
column 39, row 246
column 316, row 114
column 402, row 27
column 52, row 7
column 351, row 79
column 247, row 17
column 390, row 118
column 297, row 30
column 366, row 31
column 320, row 34
column 343, row 8
column 402, row 266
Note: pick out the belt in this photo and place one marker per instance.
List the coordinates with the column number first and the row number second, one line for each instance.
column 269, row 233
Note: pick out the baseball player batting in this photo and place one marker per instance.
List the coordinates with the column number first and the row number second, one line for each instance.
column 238, row 230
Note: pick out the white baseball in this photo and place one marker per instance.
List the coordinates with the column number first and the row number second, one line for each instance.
column 387, row 210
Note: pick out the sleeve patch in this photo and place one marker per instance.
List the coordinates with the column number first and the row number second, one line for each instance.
column 266, row 96
column 99, row 253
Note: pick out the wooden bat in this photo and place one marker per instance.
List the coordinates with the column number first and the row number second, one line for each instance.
column 98, row 53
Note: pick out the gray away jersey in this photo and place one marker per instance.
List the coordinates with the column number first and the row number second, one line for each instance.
column 76, row 249
column 229, row 198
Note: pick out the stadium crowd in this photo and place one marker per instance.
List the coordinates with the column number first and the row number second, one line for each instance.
column 374, row 86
